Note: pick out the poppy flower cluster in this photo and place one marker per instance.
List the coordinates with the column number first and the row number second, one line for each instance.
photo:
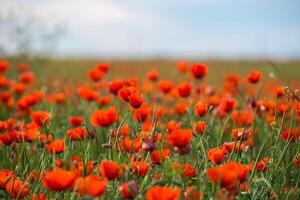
column 150, row 136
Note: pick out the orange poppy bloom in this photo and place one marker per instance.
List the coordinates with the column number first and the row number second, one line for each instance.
column 87, row 93
column 40, row 196
column 75, row 120
column 4, row 65
column 76, row 134
column 184, row 89
column 135, row 100
column 160, row 156
column 165, row 86
column 163, row 193
column 58, row 180
column 104, row 67
column 242, row 118
column 141, row 114
column 129, row 190
column 153, row 75
column 230, row 175
column 254, row 77
column 173, row 125
column 227, row 105
column 293, row 134
column 95, row 75
column 201, row 109
column 105, row 100
column 57, row 146
column 5, row 174
column 188, row 171
column 216, row 155
column 125, row 92
column 91, row 185
column 104, row 118
column 131, row 145
column 262, row 165
column 180, row 138
column 26, row 77
column 110, row 169
column 199, row 127
column 139, row 168
column 199, row 70
column 182, row 66
column 115, row 86
column 17, row 189
column 181, row 108
column 40, row 117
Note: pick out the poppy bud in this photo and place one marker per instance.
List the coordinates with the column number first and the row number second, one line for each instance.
column 129, row 190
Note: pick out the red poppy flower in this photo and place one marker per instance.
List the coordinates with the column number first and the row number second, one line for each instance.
column 104, row 118
column 129, row 190
column 17, row 189
column 58, row 180
column 227, row 105
column 104, row 67
column 40, row 117
column 115, row 86
column 135, row 100
column 163, row 193
column 199, row 70
column 75, row 120
column 105, row 100
column 165, row 86
column 173, row 125
column 91, row 186
column 76, row 134
column 160, row 156
column 293, row 134
column 199, row 127
column 188, row 171
column 26, row 77
column 95, row 75
column 5, row 174
column 125, row 92
column 153, row 75
column 110, row 169
column 262, row 165
column 201, row 109
column 141, row 114
column 230, row 175
column 139, row 168
column 216, row 155
column 184, row 89
column 182, row 66
column 180, row 138
column 242, row 118
column 87, row 93
column 4, row 65
column 57, row 146
column 254, row 77
column 181, row 107
column 131, row 145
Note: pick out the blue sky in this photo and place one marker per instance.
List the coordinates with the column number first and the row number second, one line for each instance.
column 173, row 28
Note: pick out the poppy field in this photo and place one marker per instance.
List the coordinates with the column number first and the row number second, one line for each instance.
column 154, row 134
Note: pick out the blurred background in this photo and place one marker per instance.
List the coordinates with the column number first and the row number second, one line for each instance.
column 231, row 33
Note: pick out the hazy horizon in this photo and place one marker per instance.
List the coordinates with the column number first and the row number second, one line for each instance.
column 225, row 29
